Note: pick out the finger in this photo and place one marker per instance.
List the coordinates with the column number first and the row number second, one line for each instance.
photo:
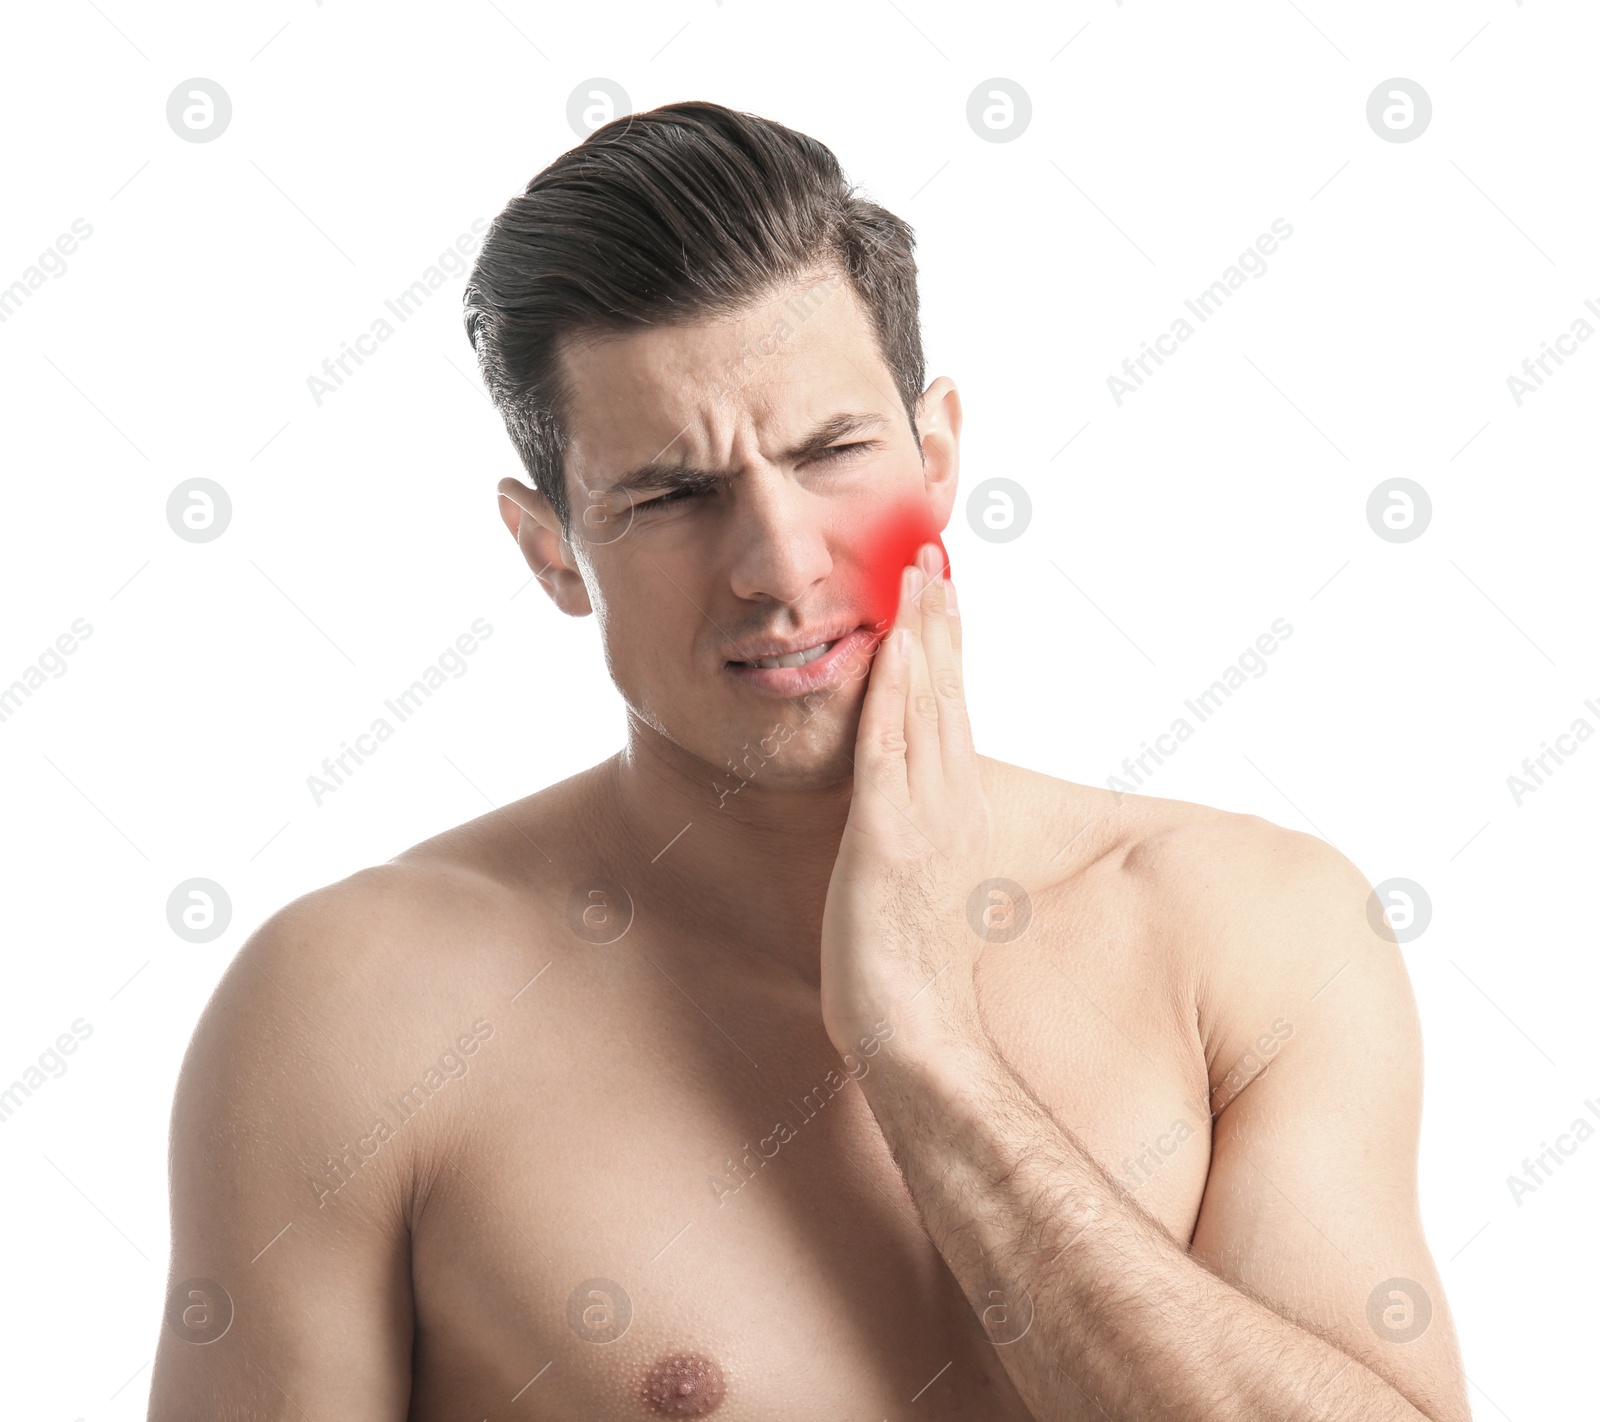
column 880, row 735
column 924, row 758
column 955, row 621
column 941, row 630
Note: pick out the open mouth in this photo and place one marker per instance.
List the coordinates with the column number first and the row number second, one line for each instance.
column 809, row 669
column 794, row 659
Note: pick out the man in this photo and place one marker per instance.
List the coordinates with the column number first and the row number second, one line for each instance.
column 798, row 1061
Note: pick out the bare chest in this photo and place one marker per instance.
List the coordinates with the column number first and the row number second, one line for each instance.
column 669, row 1198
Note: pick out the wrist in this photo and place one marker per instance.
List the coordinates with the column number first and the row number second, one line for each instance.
column 939, row 1058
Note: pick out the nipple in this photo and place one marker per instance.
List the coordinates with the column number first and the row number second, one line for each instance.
column 683, row 1385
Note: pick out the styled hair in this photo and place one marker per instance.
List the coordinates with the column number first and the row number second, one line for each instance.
column 689, row 213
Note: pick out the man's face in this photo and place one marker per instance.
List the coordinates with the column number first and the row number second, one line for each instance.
column 744, row 489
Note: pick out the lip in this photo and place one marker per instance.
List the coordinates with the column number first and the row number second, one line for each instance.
column 774, row 647
column 787, row 682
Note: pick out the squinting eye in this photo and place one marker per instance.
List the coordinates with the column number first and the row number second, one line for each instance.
column 675, row 495
column 831, row 453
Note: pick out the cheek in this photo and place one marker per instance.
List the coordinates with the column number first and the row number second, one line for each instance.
column 886, row 547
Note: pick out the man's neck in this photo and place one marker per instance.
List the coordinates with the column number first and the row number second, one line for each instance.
column 745, row 871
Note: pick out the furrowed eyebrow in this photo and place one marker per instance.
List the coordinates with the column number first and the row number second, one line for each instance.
column 657, row 476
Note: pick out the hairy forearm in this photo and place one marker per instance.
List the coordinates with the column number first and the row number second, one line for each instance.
column 1115, row 1318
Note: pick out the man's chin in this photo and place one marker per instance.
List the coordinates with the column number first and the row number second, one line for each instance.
column 798, row 748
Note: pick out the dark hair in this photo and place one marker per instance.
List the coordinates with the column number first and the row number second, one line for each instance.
column 688, row 213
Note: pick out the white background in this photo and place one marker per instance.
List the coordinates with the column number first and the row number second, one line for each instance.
column 1167, row 533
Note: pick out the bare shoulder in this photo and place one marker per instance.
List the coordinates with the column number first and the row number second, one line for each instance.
column 372, row 948
column 1187, row 855
column 1227, row 873
column 1284, row 939
column 364, row 969
column 1231, row 886
column 1262, row 928
column 1257, row 901
column 339, row 999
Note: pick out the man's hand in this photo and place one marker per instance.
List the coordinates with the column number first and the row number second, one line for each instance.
column 896, row 940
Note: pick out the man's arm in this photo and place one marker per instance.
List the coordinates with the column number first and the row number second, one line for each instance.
column 1309, row 1292
column 1309, row 1223
column 289, row 1290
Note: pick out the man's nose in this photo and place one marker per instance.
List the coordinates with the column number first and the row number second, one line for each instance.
column 780, row 548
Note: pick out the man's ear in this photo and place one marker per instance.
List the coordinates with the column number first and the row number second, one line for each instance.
column 537, row 529
column 939, row 426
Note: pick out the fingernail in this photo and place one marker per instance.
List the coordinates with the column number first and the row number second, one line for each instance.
column 914, row 581
column 950, row 598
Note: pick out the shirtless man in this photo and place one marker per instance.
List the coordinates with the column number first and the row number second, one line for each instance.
column 797, row 1062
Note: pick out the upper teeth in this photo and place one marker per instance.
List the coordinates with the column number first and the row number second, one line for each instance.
column 794, row 659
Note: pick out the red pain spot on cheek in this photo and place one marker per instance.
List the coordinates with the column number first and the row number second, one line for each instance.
column 886, row 547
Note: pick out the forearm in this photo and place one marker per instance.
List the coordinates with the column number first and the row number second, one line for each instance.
column 1124, row 1323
